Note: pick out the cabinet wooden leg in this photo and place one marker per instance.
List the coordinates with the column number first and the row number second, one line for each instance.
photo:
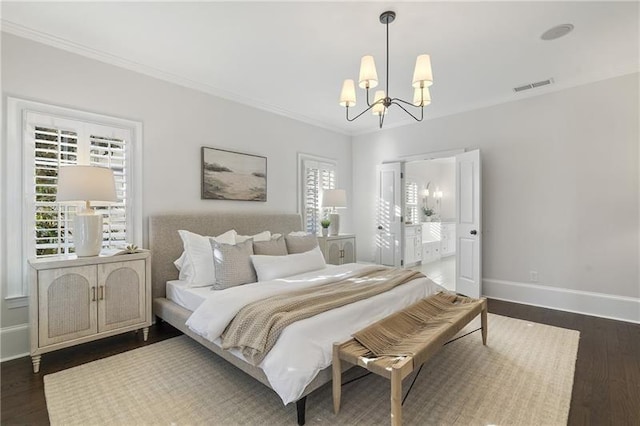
column 145, row 333
column 35, row 359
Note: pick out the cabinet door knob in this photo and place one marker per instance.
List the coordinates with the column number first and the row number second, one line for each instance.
column 473, row 232
column 101, row 292
column 380, row 228
column 93, row 294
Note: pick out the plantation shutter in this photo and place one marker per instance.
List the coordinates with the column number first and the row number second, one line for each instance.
column 111, row 153
column 411, row 201
column 58, row 142
column 318, row 176
column 53, row 147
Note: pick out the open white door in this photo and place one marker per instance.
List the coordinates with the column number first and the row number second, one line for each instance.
column 468, row 221
column 389, row 214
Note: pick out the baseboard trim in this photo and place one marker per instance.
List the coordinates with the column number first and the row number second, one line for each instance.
column 14, row 342
column 580, row 302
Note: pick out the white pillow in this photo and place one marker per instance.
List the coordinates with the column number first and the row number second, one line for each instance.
column 273, row 267
column 179, row 261
column 197, row 267
column 261, row 236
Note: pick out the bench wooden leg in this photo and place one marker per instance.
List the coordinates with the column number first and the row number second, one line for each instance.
column 396, row 397
column 337, row 379
column 483, row 319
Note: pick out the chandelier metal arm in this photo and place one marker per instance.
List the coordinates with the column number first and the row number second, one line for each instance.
column 396, row 101
column 368, row 109
column 368, row 104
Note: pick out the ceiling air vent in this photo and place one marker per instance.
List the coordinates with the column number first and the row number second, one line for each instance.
column 533, row 85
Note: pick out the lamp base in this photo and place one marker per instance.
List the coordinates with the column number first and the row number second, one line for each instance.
column 87, row 234
column 334, row 227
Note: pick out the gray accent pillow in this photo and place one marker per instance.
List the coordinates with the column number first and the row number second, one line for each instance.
column 273, row 247
column 232, row 264
column 301, row 243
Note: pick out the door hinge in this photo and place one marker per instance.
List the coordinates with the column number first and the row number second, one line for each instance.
column 401, row 175
column 402, row 263
column 401, row 219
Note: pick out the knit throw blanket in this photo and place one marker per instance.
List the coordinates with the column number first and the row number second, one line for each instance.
column 257, row 326
column 410, row 331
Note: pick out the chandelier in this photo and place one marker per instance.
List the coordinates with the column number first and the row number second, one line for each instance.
column 422, row 79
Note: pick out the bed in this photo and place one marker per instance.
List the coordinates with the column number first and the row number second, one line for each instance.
column 178, row 305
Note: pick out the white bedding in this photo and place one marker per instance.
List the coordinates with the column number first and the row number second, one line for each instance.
column 188, row 297
column 305, row 347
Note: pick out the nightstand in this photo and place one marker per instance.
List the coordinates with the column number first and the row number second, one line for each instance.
column 338, row 249
column 74, row 300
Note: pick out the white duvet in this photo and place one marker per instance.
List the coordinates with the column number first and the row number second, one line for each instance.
column 305, row 347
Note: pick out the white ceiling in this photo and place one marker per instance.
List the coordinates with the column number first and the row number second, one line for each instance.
column 292, row 57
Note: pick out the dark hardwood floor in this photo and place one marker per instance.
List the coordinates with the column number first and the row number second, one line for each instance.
column 606, row 388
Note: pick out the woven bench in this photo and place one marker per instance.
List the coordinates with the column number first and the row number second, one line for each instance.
column 398, row 344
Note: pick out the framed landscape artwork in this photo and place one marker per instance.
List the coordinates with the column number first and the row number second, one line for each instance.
column 229, row 175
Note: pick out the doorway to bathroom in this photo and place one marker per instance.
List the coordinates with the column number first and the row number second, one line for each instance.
column 429, row 218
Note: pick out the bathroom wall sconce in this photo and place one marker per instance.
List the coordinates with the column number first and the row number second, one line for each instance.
column 425, row 191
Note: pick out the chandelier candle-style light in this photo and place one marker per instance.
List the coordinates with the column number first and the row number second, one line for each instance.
column 422, row 79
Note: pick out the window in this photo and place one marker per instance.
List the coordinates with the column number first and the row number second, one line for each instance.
column 411, row 201
column 41, row 139
column 58, row 142
column 315, row 174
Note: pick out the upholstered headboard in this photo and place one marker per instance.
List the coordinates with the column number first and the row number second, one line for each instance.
column 166, row 246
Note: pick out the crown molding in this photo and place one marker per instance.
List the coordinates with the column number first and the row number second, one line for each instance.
column 79, row 49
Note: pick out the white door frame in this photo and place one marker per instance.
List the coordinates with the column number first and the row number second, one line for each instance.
column 390, row 221
column 431, row 156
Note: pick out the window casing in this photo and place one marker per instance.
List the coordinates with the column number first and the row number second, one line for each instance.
column 41, row 138
column 315, row 174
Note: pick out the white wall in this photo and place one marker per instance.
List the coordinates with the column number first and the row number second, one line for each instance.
column 177, row 122
column 560, row 186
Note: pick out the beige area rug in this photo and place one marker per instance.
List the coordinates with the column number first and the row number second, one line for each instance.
column 523, row 377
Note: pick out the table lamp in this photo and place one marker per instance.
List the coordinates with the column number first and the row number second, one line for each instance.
column 334, row 199
column 86, row 183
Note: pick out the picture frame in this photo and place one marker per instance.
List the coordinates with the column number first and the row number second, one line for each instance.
column 231, row 175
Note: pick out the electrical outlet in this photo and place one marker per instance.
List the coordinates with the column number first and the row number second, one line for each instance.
column 533, row 276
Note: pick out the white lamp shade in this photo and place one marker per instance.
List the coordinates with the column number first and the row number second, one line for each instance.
column 421, row 97
column 336, row 198
column 348, row 94
column 86, row 183
column 368, row 73
column 422, row 75
column 378, row 109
